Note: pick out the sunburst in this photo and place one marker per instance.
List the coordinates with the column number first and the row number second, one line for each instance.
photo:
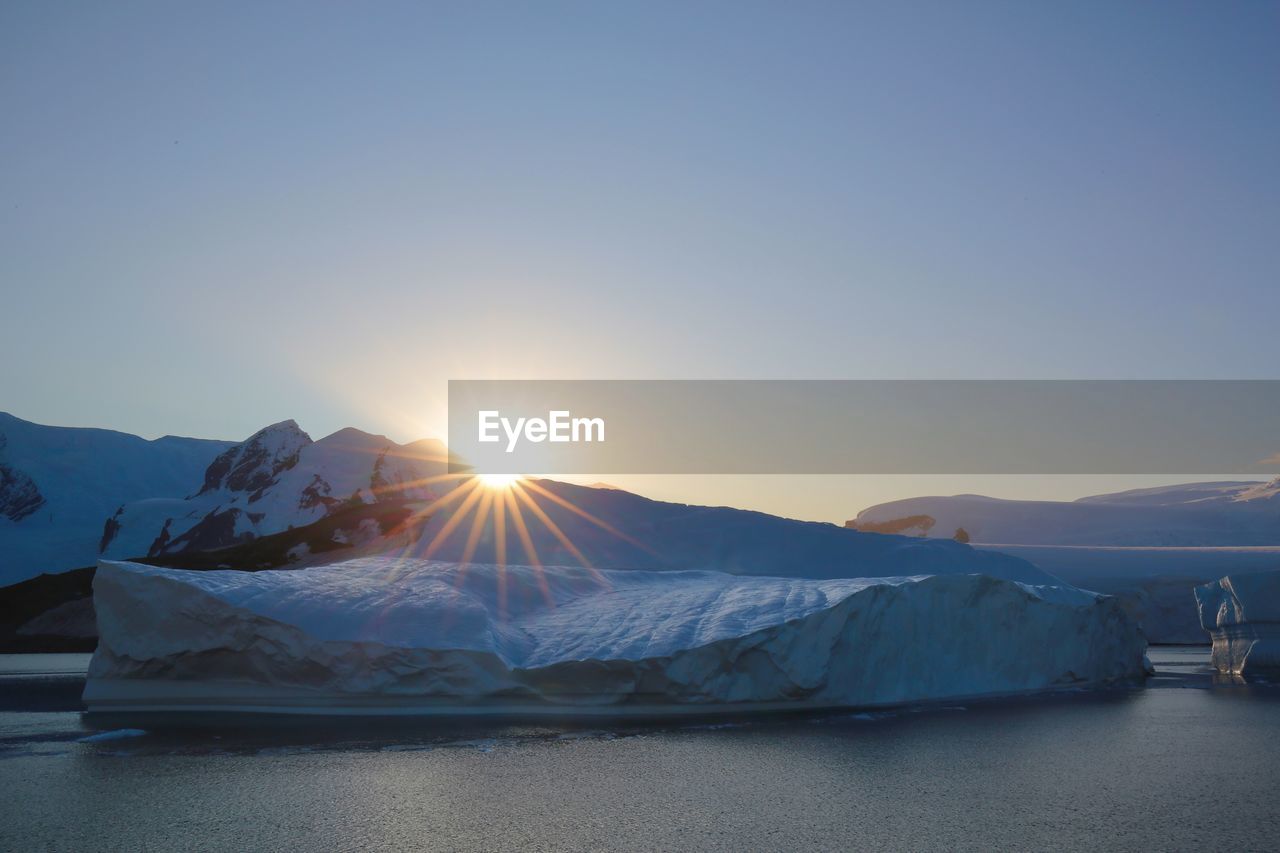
column 506, row 506
column 498, row 482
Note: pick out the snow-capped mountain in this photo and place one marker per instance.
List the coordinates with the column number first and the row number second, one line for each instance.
column 255, row 463
column 58, row 484
column 277, row 479
column 1188, row 515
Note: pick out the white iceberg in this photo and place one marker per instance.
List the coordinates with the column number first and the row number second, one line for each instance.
column 1242, row 615
column 382, row 635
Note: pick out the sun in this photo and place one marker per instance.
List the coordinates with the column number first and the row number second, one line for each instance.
column 498, row 481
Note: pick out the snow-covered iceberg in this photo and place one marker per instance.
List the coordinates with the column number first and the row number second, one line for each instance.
column 1242, row 615
column 381, row 635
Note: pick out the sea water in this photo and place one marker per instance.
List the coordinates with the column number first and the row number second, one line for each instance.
column 1189, row 761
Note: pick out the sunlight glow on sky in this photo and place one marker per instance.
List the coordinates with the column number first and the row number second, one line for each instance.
column 219, row 216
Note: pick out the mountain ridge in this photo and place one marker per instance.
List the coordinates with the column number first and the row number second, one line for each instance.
column 1215, row 514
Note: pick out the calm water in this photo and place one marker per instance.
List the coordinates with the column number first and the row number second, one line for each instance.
column 1185, row 763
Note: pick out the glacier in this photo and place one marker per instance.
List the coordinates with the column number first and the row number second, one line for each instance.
column 1242, row 615
column 406, row 636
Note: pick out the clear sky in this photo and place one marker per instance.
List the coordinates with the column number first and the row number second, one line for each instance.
column 215, row 216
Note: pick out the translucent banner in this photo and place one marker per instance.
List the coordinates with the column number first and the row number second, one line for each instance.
column 1192, row 427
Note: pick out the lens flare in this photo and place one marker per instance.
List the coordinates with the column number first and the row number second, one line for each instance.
column 489, row 510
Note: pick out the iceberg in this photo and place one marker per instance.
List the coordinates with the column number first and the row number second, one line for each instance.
column 395, row 636
column 1242, row 615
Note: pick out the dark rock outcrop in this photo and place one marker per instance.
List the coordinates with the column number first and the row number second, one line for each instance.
column 19, row 495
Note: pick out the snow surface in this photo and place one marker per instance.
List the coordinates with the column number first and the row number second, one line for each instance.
column 1179, row 493
column 82, row 477
column 411, row 636
column 1242, row 615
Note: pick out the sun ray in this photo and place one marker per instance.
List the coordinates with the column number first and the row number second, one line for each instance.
column 598, row 522
column 500, row 552
column 406, row 485
column 500, row 530
column 473, row 537
column 558, row 533
column 498, row 481
column 522, row 530
column 452, row 524
column 479, row 519
column 441, row 502
column 499, row 498
column 477, row 528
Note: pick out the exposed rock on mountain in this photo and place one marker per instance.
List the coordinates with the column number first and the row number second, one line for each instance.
column 911, row 525
column 256, row 463
column 19, row 495
column 276, row 479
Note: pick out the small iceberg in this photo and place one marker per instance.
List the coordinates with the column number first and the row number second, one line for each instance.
column 1242, row 615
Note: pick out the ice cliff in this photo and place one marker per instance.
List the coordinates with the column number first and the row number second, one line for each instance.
column 382, row 635
column 1242, row 615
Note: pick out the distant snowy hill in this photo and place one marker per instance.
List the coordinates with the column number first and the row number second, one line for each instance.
column 275, row 480
column 627, row 531
column 1150, row 547
column 1183, row 494
column 1194, row 514
column 58, row 485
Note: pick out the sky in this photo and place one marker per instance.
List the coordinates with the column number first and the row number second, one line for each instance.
column 218, row 216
